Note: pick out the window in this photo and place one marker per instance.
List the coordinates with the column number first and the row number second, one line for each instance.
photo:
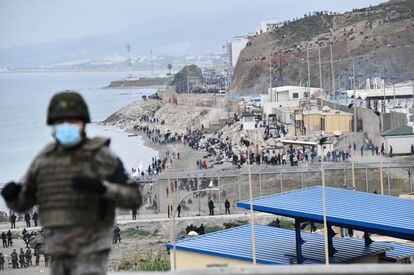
column 322, row 124
column 295, row 95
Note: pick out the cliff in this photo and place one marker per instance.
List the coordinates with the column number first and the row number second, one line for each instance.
column 380, row 39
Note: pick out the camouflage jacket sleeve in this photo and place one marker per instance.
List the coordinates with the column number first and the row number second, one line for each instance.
column 27, row 195
column 112, row 172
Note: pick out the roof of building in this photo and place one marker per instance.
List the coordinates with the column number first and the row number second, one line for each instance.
column 399, row 251
column 386, row 215
column 404, row 130
column 276, row 246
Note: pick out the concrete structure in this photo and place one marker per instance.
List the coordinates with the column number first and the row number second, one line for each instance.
column 283, row 101
column 269, row 24
column 236, row 45
column 249, row 121
column 400, row 139
column 327, row 120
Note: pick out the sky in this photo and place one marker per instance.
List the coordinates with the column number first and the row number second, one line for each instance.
column 31, row 22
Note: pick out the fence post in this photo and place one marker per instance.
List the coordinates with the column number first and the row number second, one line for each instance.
column 219, row 195
column 239, row 187
column 345, row 177
column 260, row 183
column 281, row 182
column 301, row 177
column 389, row 182
column 366, row 179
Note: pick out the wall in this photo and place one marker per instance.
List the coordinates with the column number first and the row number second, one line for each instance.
column 237, row 44
column 400, row 144
column 191, row 260
column 333, row 123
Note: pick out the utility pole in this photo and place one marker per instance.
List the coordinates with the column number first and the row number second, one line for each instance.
column 320, row 74
column 308, row 98
column 270, row 68
column 333, row 76
column 353, row 85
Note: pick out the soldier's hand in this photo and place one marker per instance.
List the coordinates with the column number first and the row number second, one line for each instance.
column 87, row 184
column 11, row 191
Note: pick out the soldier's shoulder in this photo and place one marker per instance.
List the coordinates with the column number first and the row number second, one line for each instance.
column 104, row 158
column 96, row 143
column 49, row 148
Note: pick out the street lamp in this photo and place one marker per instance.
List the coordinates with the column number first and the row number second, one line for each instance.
column 175, row 210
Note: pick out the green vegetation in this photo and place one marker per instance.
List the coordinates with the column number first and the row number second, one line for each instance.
column 134, row 232
column 210, row 229
column 147, row 261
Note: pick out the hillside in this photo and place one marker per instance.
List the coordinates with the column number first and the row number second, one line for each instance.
column 379, row 38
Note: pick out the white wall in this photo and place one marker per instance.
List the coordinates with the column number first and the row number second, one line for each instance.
column 400, row 144
column 237, row 45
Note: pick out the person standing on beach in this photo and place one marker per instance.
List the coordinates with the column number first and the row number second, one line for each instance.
column 227, row 206
column 77, row 182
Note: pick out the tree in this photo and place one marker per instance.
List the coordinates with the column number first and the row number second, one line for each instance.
column 169, row 67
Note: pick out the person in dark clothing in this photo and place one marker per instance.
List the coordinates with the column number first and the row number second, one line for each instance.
column 4, row 239
column 390, row 151
column 36, row 253
column 35, row 218
column 200, row 230
column 13, row 220
column 2, row 261
column 211, row 207
column 227, row 206
column 27, row 219
column 15, row 259
column 22, row 259
column 134, row 214
column 9, row 238
column 179, row 210
column 312, row 227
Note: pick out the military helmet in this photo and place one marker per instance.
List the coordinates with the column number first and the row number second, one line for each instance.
column 67, row 104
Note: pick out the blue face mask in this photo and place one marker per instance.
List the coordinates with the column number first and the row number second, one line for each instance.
column 67, row 134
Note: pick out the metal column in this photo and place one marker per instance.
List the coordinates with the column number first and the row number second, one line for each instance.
column 281, row 182
column 260, row 184
column 299, row 242
column 389, row 181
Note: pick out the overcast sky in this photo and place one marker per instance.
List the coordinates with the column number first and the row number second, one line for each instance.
column 24, row 22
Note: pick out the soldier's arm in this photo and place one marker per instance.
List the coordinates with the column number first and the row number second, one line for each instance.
column 25, row 198
column 117, row 189
column 115, row 180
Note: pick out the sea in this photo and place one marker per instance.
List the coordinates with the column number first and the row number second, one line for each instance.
column 24, row 98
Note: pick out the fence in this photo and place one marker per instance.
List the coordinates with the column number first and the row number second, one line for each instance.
column 267, row 180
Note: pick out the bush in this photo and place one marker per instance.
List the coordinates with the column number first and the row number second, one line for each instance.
column 147, row 261
column 134, row 232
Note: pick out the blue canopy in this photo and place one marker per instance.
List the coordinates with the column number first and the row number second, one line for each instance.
column 385, row 215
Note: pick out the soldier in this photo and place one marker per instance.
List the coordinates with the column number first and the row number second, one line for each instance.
column 9, row 238
column 35, row 217
column 27, row 219
column 22, row 259
column 14, row 258
column 28, row 255
column 76, row 182
column 1, row 261
column 4, row 239
column 36, row 253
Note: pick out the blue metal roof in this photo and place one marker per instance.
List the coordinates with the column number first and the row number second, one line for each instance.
column 386, row 215
column 275, row 246
column 399, row 251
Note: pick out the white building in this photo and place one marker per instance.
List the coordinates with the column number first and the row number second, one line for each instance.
column 400, row 139
column 283, row 100
column 236, row 45
column 267, row 25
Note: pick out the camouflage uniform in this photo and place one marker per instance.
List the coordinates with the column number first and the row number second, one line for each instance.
column 77, row 225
